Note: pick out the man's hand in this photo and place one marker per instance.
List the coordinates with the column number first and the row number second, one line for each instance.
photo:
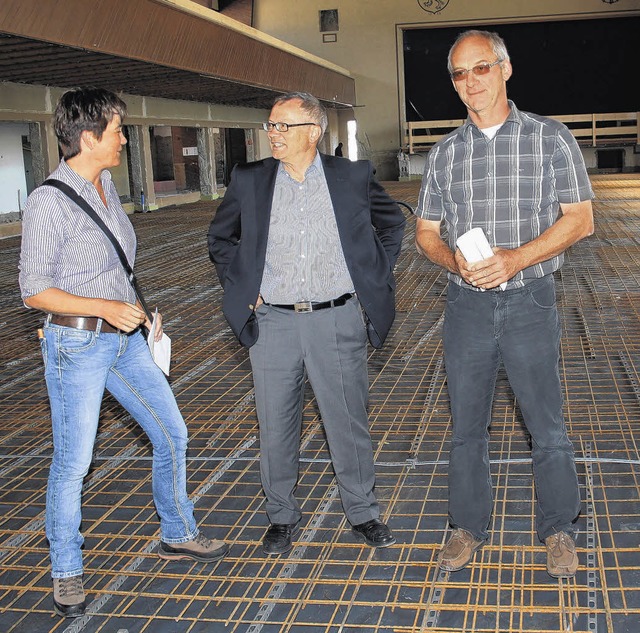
column 491, row 272
column 575, row 224
column 122, row 315
column 158, row 333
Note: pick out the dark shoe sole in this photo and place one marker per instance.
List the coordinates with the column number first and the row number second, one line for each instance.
column 371, row 543
column 277, row 552
column 70, row 611
column 446, row 567
column 217, row 555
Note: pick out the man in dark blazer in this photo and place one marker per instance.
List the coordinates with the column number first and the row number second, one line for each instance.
column 304, row 246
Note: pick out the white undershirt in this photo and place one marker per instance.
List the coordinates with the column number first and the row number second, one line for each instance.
column 490, row 132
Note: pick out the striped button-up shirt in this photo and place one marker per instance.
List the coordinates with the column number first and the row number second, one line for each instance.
column 511, row 185
column 304, row 260
column 63, row 248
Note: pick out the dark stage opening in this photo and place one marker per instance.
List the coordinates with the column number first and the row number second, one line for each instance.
column 565, row 67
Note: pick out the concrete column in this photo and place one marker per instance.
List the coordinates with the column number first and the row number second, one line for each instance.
column 250, row 143
column 50, row 152
column 38, row 158
column 141, row 168
column 207, row 163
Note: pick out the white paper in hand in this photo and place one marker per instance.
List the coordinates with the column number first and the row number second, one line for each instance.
column 160, row 350
column 475, row 247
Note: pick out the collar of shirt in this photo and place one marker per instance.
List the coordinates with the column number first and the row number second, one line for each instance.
column 77, row 182
column 514, row 117
column 315, row 165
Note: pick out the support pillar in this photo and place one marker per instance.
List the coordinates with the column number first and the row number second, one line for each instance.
column 250, row 144
column 50, row 152
column 207, row 163
column 143, row 194
column 38, row 158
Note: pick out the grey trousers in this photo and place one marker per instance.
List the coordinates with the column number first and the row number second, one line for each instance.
column 519, row 328
column 330, row 348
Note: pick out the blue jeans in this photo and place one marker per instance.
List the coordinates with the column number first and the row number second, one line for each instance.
column 79, row 365
column 521, row 329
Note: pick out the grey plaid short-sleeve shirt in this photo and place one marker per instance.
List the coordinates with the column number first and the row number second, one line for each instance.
column 511, row 185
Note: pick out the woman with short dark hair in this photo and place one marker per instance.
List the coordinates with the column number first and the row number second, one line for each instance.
column 91, row 341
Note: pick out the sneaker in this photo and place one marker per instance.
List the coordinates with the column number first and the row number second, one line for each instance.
column 200, row 548
column 459, row 550
column 562, row 558
column 68, row 597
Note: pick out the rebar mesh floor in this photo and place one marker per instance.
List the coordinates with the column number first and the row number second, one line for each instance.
column 329, row 583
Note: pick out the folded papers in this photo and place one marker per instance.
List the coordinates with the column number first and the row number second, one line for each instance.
column 475, row 247
column 160, row 350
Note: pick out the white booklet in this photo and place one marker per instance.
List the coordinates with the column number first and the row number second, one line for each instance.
column 160, row 350
column 475, row 247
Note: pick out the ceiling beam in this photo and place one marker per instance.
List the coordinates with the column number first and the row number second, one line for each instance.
column 164, row 33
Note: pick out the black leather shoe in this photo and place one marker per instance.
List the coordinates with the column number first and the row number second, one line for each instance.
column 277, row 539
column 374, row 533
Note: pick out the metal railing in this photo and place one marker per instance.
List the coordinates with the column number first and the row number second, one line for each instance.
column 591, row 130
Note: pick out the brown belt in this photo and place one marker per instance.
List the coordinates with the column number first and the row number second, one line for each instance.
column 83, row 323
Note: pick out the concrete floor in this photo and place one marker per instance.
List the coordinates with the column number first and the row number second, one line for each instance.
column 329, row 583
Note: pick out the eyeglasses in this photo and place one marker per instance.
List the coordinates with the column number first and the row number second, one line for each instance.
column 480, row 69
column 282, row 127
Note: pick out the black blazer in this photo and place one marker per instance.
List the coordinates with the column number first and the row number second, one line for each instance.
column 370, row 226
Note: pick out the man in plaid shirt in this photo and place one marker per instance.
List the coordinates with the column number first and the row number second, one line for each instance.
column 522, row 179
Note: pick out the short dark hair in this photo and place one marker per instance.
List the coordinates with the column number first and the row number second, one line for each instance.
column 80, row 109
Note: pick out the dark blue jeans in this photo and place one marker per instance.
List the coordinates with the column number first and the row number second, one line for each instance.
column 521, row 329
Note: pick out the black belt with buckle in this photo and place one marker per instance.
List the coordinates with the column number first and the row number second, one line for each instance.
column 308, row 306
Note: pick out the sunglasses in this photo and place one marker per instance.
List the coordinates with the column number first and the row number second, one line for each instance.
column 480, row 69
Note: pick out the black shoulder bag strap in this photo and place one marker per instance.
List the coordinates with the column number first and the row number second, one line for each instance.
column 88, row 209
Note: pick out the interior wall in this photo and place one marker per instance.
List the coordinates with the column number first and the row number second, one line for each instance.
column 13, row 184
column 367, row 44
